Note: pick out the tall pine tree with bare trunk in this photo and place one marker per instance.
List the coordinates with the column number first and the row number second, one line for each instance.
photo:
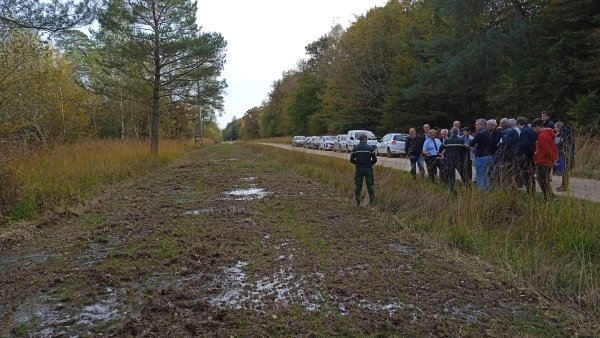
column 162, row 38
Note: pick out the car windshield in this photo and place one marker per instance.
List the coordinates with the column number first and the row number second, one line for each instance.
column 344, row 137
column 400, row 138
column 298, row 137
column 369, row 134
column 329, row 138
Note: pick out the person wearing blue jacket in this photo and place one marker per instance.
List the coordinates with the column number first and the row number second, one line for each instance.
column 525, row 152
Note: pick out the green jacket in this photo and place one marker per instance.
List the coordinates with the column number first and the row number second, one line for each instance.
column 363, row 156
column 455, row 150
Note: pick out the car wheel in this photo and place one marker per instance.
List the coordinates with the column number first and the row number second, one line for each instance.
column 389, row 153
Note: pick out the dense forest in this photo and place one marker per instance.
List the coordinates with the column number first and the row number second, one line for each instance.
column 145, row 62
column 435, row 61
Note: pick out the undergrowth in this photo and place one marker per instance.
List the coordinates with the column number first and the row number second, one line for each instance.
column 64, row 175
column 550, row 248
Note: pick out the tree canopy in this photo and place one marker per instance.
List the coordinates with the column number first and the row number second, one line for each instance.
column 434, row 61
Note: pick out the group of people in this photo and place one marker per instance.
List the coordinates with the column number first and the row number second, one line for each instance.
column 508, row 155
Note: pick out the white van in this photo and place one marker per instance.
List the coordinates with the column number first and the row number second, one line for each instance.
column 353, row 135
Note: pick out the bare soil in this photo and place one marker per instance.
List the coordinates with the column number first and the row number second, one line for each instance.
column 229, row 243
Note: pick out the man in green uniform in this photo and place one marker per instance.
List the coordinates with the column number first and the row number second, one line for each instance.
column 363, row 157
column 454, row 152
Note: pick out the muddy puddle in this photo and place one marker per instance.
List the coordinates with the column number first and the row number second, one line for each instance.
column 211, row 210
column 251, row 193
column 48, row 318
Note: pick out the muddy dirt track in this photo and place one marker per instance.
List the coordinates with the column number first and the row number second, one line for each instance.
column 580, row 187
column 228, row 243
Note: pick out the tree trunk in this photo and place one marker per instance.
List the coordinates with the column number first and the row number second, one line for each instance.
column 155, row 116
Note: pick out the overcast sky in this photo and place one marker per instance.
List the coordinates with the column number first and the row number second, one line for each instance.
column 266, row 38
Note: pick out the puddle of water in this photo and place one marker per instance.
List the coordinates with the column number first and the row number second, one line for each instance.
column 246, row 194
column 468, row 312
column 403, row 249
column 213, row 210
column 54, row 321
column 8, row 261
column 282, row 287
column 102, row 311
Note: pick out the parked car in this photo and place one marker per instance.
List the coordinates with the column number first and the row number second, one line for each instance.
column 326, row 143
column 298, row 141
column 314, row 143
column 353, row 135
column 391, row 145
column 307, row 142
column 340, row 143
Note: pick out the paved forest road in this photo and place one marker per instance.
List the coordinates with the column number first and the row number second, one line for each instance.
column 580, row 187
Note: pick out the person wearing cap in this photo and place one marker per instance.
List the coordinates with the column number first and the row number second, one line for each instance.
column 363, row 157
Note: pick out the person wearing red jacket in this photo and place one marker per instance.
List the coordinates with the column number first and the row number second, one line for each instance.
column 546, row 156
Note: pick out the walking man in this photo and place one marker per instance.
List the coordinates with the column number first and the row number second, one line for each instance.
column 482, row 144
column 363, row 157
column 413, row 147
column 546, row 156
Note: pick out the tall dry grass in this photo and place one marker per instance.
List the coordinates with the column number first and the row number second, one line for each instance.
column 587, row 158
column 69, row 174
column 551, row 248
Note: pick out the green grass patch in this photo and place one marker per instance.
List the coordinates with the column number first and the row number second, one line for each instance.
column 551, row 248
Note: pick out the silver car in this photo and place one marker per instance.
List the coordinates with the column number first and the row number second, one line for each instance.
column 340, row 143
column 391, row 145
column 326, row 142
column 298, row 141
column 315, row 142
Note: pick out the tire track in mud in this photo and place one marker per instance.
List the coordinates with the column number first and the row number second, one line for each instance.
column 229, row 243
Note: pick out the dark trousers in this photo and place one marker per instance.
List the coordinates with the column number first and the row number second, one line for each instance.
column 450, row 170
column 467, row 171
column 364, row 174
column 543, row 176
column 432, row 167
column 526, row 173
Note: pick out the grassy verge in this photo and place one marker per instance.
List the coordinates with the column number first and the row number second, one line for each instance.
column 587, row 158
column 552, row 249
column 69, row 174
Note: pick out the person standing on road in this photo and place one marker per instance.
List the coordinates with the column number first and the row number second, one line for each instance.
column 470, row 157
column 363, row 157
column 482, row 143
column 431, row 149
column 413, row 147
column 426, row 130
column 454, row 152
column 546, row 156
column 443, row 174
column 525, row 152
